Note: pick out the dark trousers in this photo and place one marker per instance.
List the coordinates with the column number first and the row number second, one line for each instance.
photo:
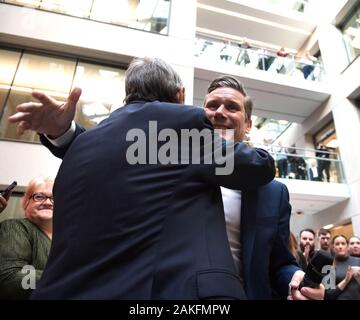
column 324, row 167
column 282, row 167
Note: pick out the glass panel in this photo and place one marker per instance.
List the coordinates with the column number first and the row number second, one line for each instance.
column 148, row 15
column 351, row 32
column 268, row 130
column 297, row 163
column 8, row 63
column 247, row 55
column 300, row 6
column 78, row 8
column 51, row 75
column 28, row 3
column 103, row 91
column 115, row 11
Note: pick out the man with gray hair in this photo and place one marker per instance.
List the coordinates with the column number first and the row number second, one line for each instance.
column 144, row 229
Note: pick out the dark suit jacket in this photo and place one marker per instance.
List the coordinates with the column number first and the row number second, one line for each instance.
column 268, row 265
column 143, row 231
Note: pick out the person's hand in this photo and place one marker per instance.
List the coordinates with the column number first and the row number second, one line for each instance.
column 3, row 203
column 48, row 116
column 349, row 275
column 306, row 253
column 305, row 293
column 356, row 276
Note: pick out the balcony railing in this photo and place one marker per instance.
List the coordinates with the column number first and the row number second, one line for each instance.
column 150, row 15
column 306, row 164
column 213, row 51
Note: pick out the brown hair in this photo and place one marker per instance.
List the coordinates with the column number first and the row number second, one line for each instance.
column 338, row 236
column 293, row 245
column 231, row 82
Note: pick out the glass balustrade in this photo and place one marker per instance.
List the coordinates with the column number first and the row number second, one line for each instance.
column 212, row 51
column 306, row 164
column 146, row 15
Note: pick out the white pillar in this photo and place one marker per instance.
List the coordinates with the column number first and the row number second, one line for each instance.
column 332, row 49
column 356, row 224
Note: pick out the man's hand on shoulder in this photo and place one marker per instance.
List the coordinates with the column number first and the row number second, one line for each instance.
column 48, row 116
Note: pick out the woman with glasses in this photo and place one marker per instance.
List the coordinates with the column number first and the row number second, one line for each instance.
column 25, row 243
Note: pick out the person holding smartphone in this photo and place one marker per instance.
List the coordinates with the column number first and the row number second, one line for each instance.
column 25, row 243
column 5, row 195
column 3, row 203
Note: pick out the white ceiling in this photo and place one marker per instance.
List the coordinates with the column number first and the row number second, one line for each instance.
column 238, row 20
column 310, row 197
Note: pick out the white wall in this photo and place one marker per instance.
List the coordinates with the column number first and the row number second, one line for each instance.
column 24, row 161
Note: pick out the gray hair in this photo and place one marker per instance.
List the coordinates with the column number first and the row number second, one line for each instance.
column 150, row 79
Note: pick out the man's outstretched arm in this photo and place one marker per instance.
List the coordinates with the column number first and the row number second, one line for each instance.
column 48, row 116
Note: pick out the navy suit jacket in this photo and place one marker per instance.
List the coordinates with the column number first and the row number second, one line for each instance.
column 143, row 231
column 268, row 265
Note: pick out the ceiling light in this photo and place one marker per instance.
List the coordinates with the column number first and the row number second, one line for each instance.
column 328, row 226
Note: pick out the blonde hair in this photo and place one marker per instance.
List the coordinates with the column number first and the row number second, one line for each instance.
column 33, row 184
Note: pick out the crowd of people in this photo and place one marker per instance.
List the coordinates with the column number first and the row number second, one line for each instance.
column 131, row 227
column 291, row 165
column 281, row 61
column 343, row 278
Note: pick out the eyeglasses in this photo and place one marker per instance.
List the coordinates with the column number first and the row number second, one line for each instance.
column 40, row 197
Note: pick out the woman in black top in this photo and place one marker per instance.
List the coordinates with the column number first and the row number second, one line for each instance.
column 347, row 279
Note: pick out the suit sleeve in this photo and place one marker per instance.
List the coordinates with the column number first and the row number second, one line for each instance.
column 60, row 151
column 282, row 263
column 234, row 165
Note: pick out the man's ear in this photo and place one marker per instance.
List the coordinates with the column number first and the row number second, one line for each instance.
column 248, row 124
column 180, row 96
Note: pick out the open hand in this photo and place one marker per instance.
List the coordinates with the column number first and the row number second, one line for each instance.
column 48, row 116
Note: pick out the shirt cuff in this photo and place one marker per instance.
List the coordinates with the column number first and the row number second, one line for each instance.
column 65, row 138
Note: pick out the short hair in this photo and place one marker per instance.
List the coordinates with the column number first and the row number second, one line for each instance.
column 231, row 82
column 151, row 79
column 33, row 184
column 307, row 230
column 338, row 236
column 324, row 232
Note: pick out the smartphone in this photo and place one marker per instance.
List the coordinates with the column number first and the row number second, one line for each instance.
column 6, row 193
